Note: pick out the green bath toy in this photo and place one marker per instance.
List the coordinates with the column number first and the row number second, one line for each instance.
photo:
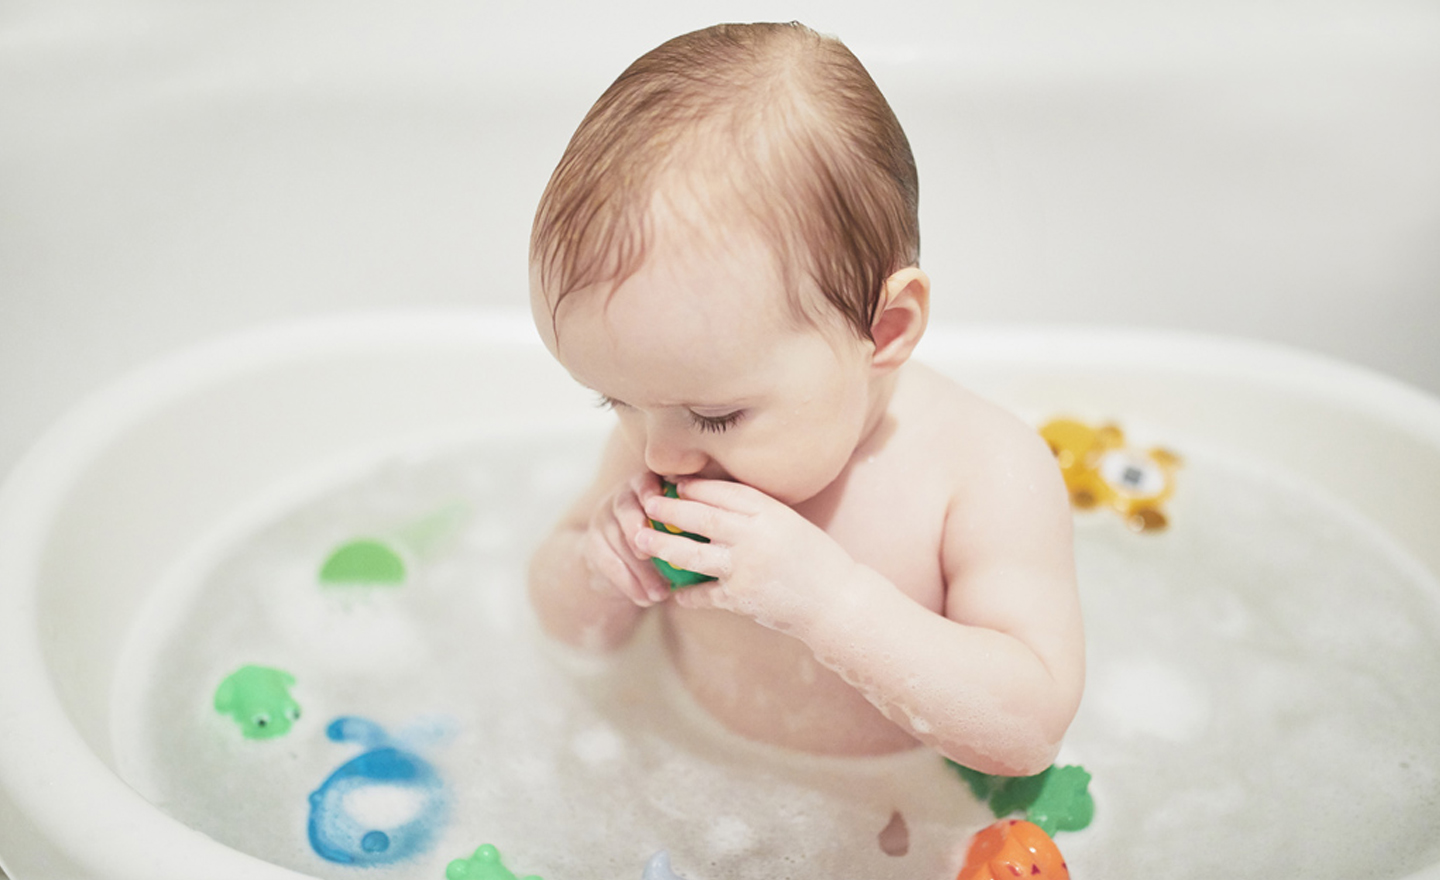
column 259, row 700
column 678, row 577
column 485, row 864
column 1064, row 802
column 1056, row 799
column 364, row 561
column 373, row 561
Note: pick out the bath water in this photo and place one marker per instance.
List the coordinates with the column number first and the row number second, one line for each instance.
column 1263, row 695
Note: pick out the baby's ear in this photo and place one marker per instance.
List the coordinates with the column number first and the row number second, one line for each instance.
column 900, row 317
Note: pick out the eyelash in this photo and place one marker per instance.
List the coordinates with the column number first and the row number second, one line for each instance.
column 717, row 424
column 708, row 424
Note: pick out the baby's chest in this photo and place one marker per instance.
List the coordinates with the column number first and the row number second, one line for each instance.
column 895, row 527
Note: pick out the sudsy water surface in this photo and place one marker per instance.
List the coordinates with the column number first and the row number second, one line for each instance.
column 1263, row 701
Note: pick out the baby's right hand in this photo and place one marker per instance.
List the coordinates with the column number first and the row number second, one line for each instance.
column 610, row 553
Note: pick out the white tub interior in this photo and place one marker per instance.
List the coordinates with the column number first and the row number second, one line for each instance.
column 173, row 172
column 124, row 491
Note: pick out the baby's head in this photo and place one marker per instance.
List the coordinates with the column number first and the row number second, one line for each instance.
column 736, row 195
column 771, row 127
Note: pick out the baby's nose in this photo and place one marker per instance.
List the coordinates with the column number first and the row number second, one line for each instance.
column 671, row 454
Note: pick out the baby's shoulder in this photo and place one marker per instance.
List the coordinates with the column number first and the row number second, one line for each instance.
column 943, row 412
column 972, row 440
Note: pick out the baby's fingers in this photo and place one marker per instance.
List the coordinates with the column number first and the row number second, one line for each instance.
column 724, row 494
column 685, row 553
column 611, row 574
column 634, row 579
column 689, row 516
column 644, row 485
column 630, row 516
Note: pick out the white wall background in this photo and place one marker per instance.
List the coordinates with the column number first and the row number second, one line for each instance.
column 174, row 170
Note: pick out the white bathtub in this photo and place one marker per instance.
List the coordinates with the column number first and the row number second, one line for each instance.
column 174, row 172
column 114, row 494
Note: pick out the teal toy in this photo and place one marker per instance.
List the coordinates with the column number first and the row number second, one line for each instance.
column 485, row 864
column 1056, row 799
column 259, row 700
column 678, row 577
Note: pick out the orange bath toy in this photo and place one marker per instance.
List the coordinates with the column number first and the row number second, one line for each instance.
column 1101, row 471
column 1013, row 848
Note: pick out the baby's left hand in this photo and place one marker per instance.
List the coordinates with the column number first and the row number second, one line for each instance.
column 770, row 563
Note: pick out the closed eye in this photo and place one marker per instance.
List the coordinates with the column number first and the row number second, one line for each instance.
column 708, row 424
column 717, row 424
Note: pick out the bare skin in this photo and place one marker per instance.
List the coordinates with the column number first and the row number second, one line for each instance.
column 893, row 553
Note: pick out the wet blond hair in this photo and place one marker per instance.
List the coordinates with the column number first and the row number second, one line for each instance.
column 777, row 121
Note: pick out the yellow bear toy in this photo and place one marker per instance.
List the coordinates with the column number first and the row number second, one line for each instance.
column 1101, row 471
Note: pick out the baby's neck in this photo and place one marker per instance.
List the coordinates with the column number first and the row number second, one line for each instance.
column 879, row 423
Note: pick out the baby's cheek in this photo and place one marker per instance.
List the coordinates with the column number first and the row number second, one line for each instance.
column 633, row 433
column 785, row 482
column 810, row 463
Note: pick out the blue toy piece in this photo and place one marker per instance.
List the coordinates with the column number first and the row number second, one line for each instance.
column 658, row 868
column 338, row 836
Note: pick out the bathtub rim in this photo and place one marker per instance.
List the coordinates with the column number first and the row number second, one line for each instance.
column 72, row 798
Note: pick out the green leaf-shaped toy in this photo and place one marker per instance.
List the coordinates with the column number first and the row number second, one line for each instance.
column 1056, row 799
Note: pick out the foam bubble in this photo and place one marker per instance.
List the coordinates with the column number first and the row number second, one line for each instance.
column 383, row 806
column 1149, row 698
column 597, row 745
column 730, row 836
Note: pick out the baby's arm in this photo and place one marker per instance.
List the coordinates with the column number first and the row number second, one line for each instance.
column 996, row 680
column 993, row 682
column 588, row 584
column 1009, row 563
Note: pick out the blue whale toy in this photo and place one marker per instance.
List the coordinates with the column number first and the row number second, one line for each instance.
column 338, row 836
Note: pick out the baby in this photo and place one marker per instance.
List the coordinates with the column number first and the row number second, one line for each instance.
column 727, row 255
